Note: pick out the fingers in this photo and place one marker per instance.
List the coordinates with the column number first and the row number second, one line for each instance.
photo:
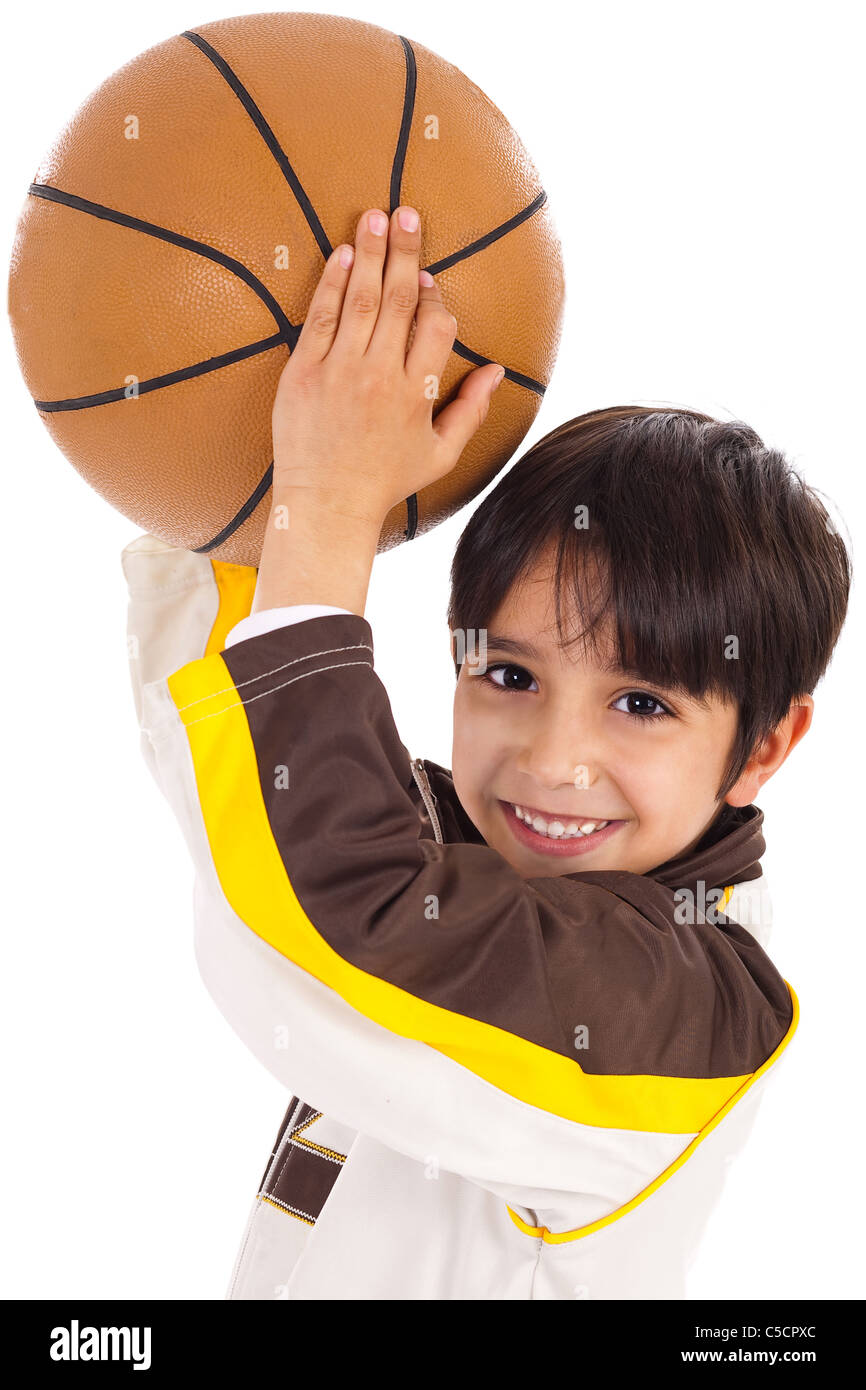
column 455, row 425
column 435, row 331
column 399, row 287
column 356, row 309
column 364, row 290
column 323, row 316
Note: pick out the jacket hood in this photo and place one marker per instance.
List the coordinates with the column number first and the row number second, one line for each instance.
column 729, row 852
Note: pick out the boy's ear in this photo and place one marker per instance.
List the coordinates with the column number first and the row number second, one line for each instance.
column 769, row 756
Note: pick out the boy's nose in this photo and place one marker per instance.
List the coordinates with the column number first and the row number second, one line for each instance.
column 554, row 773
column 562, row 751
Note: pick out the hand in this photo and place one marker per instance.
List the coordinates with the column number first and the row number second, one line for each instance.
column 353, row 415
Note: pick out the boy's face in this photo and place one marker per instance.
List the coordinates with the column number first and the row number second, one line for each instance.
column 575, row 743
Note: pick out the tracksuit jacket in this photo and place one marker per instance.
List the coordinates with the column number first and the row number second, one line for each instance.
column 500, row 1088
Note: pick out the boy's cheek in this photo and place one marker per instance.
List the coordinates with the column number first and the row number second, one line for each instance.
column 667, row 796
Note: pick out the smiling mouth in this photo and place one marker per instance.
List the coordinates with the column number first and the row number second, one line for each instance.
column 557, row 826
column 560, row 836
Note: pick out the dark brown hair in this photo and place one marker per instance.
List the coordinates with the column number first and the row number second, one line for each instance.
column 698, row 532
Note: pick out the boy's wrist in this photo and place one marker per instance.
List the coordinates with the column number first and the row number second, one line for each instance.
column 317, row 498
column 315, row 551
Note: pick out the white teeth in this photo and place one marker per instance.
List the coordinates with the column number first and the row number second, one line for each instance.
column 557, row 830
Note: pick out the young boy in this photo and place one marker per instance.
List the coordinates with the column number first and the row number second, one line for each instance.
column 523, row 1005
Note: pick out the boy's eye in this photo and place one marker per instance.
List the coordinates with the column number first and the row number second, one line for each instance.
column 641, row 705
column 638, row 703
column 507, row 682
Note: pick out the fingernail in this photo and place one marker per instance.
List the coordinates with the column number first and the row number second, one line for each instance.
column 426, row 278
column 347, row 255
column 378, row 223
column 408, row 219
column 498, row 378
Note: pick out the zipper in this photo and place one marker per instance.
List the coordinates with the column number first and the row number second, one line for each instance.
column 423, row 783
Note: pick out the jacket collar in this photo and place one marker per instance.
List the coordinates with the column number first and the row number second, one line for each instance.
column 729, row 852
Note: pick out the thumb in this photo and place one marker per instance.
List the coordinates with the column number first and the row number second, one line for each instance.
column 456, row 424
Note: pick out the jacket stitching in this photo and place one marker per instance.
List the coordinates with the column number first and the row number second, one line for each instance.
column 336, row 666
column 289, row 1139
column 326, row 651
column 291, row 1130
column 330, row 1154
column 292, row 1211
column 303, row 1124
column 241, row 1259
column 287, row 1129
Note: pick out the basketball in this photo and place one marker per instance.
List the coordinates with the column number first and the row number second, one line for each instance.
column 172, row 238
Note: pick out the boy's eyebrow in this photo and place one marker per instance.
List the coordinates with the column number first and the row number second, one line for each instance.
column 509, row 644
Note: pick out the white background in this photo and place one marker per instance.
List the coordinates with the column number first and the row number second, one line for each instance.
column 704, row 167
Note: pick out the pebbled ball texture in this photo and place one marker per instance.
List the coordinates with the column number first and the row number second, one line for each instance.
column 173, row 236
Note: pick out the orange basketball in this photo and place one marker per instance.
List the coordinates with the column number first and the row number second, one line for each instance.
column 173, row 237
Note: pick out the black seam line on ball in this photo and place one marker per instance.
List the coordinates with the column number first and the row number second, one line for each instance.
column 406, row 119
column 502, row 230
column 240, row 517
column 267, row 135
column 510, row 375
column 288, row 331
column 411, row 517
column 255, row 498
column 155, row 383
